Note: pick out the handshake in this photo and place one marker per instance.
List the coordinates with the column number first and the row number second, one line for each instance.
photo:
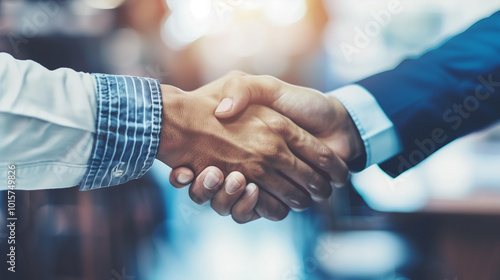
column 256, row 145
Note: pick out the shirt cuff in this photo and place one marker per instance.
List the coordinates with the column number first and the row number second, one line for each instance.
column 128, row 129
column 376, row 129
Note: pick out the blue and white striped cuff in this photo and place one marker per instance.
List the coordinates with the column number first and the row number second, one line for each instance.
column 127, row 130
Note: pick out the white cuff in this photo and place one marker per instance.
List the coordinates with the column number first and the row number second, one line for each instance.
column 376, row 129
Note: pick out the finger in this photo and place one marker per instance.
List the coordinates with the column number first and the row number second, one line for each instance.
column 312, row 151
column 290, row 165
column 286, row 190
column 270, row 208
column 239, row 91
column 206, row 185
column 243, row 210
column 181, row 177
column 313, row 182
column 226, row 197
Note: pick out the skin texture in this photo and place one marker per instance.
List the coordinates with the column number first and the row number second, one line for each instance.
column 268, row 148
column 323, row 116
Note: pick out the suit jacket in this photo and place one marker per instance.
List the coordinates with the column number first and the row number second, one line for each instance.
column 446, row 93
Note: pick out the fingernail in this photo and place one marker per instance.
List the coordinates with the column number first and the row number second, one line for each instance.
column 225, row 106
column 183, row 178
column 250, row 190
column 232, row 185
column 313, row 187
column 294, row 202
column 211, row 180
column 336, row 185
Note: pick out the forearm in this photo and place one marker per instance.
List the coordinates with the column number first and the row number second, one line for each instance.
column 63, row 128
column 170, row 139
column 444, row 94
column 47, row 120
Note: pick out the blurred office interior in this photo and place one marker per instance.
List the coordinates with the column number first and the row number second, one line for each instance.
column 439, row 220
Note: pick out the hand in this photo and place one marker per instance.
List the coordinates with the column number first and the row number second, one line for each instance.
column 258, row 143
column 324, row 116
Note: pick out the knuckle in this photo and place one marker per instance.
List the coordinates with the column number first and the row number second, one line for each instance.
column 235, row 82
column 258, row 171
column 326, row 155
column 270, row 80
column 272, row 152
column 277, row 124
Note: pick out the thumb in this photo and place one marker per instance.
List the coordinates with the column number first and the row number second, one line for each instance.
column 230, row 106
column 239, row 92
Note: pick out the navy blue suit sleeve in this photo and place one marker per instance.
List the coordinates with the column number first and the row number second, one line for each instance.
column 446, row 93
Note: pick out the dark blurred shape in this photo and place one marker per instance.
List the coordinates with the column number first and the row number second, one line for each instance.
column 68, row 234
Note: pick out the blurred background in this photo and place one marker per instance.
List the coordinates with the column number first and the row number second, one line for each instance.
column 440, row 220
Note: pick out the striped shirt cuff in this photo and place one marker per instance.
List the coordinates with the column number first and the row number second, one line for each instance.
column 127, row 130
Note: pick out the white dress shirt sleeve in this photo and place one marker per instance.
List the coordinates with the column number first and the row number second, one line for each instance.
column 47, row 124
column 63, row 128
column 376, row 129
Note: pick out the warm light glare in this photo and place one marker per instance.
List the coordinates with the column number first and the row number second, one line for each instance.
column 179, row 31
column 247, row 39
column 285, row 12
column 194, row 19
column 201, row 8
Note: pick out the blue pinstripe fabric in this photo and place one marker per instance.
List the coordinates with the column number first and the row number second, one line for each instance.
column 128, row 130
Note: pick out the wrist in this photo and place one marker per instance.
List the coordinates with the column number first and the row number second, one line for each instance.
column 188, row 122
column 172, row 101
column 353, row 147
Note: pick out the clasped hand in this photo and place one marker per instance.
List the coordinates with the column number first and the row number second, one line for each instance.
column 290, row 151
